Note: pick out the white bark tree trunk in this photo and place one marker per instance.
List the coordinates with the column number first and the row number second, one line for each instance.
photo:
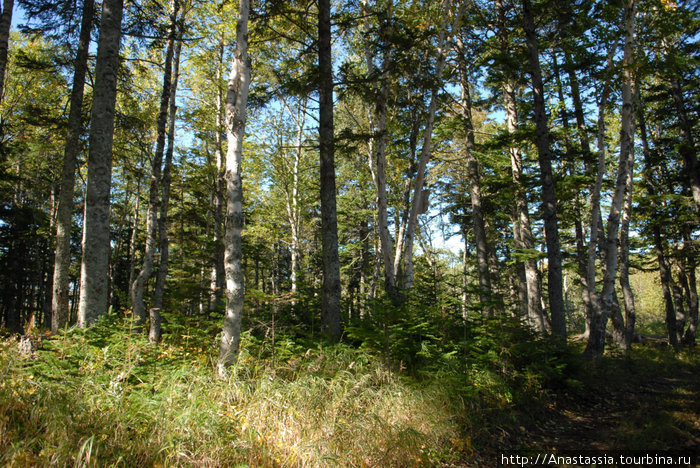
column 595, row 347
column 236, row 102
column 444, row 47
column 596, row 344
column 217, row 282
column 377, row 150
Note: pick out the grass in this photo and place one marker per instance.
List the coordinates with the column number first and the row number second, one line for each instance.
column 110, row 399
column 106, row 397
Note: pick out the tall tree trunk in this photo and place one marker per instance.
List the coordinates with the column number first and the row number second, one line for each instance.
column 665, row 274
column 597, row 318
column 134, row 232
column 664, row 270
column 679, row 302
column 581, row 258
column 155, row 329
column 236, row 102
column 588, row 160
column 474, row 178
column 64, row 216
column 377, row 151
column 529, row 286
column 5, row 23
column 687, row 298
column 691, row 291
column 94, row 271
column 216, row 285
column 330, row 296
column 625, row 166
column 687, row 149
column 417, row 202
column 465, row 272
column 549, row 198
column 627, row 294
column 292, row 194
column 138, row 287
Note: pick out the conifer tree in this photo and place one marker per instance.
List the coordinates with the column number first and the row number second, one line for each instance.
column 64, row 213
column 94, row 272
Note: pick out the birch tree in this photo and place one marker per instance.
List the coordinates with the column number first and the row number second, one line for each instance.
column 418, row 200
column 596, row 343
column 378, row 139
column 236, row 102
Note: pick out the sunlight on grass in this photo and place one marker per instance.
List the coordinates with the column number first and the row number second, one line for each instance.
column 91, row 399
column 106, row 397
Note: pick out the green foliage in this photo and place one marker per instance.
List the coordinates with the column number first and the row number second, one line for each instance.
column 107, row 397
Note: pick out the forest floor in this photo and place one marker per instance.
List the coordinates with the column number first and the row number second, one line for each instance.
column 107, row 397
column 643, row 404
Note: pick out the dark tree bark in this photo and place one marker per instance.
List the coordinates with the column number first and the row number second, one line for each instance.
column 581, row 254
column 529, row 292
column 64, row 214
column 549, row 198
column 659, row 242
column 147, row 268
column 691, row 288
column 330, row 294
column 474, row 179
column 94, row 272
column 5, row 23
column 687, row 150
column 155, row 329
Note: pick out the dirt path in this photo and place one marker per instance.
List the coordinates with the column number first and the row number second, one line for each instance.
column 641, row 406
column 659, row 412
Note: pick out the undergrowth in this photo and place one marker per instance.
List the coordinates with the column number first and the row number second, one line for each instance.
column 106, row 397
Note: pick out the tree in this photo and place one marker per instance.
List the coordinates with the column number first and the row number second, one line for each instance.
column 418, row 201
column 474, row 177
column 94, row 272
column 64, row 214
column 5, row 22
column 236, row 102
column 158, row 294
column 137, row 288
column 330, row 294
column 596, row 342
column 523, row 240
column 378, row 142
column 549, row 199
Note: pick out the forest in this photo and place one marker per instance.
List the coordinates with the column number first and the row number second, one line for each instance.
column 349, row 232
